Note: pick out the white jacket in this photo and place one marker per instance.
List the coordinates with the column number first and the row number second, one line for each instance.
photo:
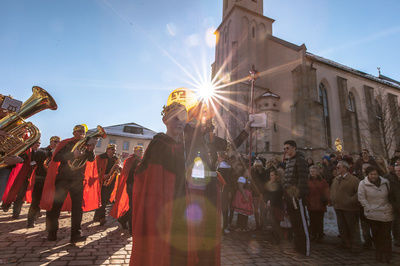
column 375, row 200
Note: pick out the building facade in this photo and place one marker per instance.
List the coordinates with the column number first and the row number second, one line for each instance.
column 310, row 99
column 126, row 137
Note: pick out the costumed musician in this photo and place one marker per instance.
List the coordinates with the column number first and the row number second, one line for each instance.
column 108, row 166
column 19, row 180
column 10, row 161
column 122, row 208
column 41, row 157
column 159, row 223
column 69, row 180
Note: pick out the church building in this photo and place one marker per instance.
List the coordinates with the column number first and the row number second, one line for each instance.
column 305, row 97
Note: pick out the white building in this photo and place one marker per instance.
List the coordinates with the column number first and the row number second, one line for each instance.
column 126, row 137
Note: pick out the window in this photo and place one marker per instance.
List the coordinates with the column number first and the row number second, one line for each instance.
column 266, row 147
column 112, row 141
column 98, row 145
column 351, row 102
column 133, row 130
column 125, row 146
column 378, row 109
column 323, row 99
column 253, row 32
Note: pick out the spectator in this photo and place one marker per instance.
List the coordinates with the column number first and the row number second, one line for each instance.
column 382, row 166
column 373, row 194
column 242, row 203
column 344, row 200
column 327, row 169
column 274, row 200
column 225, row 169
column 317, row 199
column 295, row 190
column 310, row 161
column 334, row 159
column 348, row 159
column 396, row 156
column 365, row 158
column 259, row 178
column 394, row 179
column 365, row 225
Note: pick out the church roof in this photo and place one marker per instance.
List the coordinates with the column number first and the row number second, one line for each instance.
column 387, row 81
column 130, row 130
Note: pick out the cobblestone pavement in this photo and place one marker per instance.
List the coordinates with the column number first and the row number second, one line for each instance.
column 110, row 244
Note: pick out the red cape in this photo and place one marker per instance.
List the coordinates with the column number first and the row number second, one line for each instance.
column 91, row 189
column 29, row 190
column 158, row 209
column 121, row 205
column 153, row 191
column 196, row 230
column 101, row 169
column 16, row 179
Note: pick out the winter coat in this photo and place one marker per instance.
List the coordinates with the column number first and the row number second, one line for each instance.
column 344, row 193
column 318, row 194
column 395, row 190
column 296, row 175
column 375, row 200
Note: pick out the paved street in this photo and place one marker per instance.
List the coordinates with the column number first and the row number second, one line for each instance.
column 111, row 245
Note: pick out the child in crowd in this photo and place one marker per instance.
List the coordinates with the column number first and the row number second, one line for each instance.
column 243, row 202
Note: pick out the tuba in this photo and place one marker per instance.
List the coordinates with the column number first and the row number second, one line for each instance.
column 21, row 134
column 81, row 146
column 114, row 172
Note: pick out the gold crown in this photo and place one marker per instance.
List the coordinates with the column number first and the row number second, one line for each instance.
column 53, row 138
column 109, row 146
column 169, row 108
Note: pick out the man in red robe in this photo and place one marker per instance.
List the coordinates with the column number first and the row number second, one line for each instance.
column 105, row 162
column 19, row 181
column 41, row 157
column 159, row 197
column 122, row 209
column 67, row 181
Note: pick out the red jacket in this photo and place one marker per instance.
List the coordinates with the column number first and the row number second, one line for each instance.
column 318, row 194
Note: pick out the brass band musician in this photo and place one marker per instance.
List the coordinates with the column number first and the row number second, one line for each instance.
column 41, row 157
column 69, row 180
column 107, row 165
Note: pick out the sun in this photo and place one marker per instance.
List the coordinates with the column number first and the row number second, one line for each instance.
column 206, row 91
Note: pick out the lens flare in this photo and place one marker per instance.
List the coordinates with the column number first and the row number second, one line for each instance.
column 206, row 91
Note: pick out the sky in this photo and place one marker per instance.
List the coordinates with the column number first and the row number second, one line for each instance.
column 108, row 62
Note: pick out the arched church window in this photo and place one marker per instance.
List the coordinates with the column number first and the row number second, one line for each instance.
column 378, row 109
column 351, row 102
column 323, row 99
column 253, row 30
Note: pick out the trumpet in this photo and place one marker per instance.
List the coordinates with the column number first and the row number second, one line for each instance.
column 114, row 172
column 81, row 146
column 21, row 134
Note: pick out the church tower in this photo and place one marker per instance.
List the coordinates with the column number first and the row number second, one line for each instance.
column 252, row 5
column 241, row 45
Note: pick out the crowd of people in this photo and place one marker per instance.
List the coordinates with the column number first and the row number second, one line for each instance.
column 291, row 197
column 172, row 197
